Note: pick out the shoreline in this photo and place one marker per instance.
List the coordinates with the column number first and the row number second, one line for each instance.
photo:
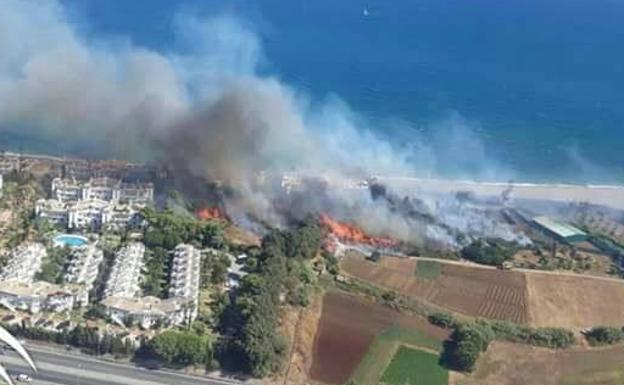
column 610, row 195
column 498, row 184
column 606, row 195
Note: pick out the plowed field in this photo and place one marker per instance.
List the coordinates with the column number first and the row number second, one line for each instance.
column 473, row 291
column 347, row 327
column 575, row 302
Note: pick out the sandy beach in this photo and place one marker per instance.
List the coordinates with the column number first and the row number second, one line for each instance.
column 607, row 195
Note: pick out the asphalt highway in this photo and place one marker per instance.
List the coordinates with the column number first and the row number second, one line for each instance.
column 62, row 368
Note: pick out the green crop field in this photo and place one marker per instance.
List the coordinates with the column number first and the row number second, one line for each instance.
column 428, row 269
column 383, row 350
column 414, row 367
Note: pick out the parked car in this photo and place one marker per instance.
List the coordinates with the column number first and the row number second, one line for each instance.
column 23, row 378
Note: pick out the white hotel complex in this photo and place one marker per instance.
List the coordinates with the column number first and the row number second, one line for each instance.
column 105, row 189
column 95, row 204
column 123, row 304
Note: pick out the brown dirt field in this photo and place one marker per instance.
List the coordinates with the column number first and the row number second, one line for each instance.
column 472, row 291
column 347, row 326
column 516, row 364
column 574, row 302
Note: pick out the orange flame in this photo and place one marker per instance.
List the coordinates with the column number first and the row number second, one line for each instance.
column 210, row 213
column 349, row 233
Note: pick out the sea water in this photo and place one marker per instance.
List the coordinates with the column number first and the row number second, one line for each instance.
column 538, row 83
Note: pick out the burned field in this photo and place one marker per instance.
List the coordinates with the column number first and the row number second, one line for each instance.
column 472, row 291
column 347, row 328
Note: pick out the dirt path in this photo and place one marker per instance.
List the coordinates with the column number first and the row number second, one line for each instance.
column 525, row 271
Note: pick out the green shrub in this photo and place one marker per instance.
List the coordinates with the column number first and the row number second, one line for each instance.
column 604, row 335
column 443, row 320
column 467, row 343
column 489, row 251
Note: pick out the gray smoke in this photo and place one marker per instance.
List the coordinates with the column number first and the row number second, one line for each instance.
column 203, row 109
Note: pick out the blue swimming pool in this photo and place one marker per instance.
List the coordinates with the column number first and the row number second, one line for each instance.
column 70, row 240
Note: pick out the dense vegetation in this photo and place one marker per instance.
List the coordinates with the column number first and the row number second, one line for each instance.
column 443, row 320
column 157, row 262
column 53, row 266
column 214, row 269
column 489, row 251
column 89, row 340
column 469, row 340
column 281, row 273
column 604, row 335
column 183, row 348
column 166, row 230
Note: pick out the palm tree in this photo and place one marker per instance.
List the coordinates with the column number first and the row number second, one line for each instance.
column 8, row 339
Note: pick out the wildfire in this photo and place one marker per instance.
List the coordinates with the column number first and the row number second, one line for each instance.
column 210, row 213
column 349, row 233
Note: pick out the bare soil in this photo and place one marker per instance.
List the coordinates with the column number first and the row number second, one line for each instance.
column 515, row 364
column 347, row 327
column 575, row 301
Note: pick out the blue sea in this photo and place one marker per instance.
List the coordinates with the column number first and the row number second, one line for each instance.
column 540, row 82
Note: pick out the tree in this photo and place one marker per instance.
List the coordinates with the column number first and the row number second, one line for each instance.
column 467, row 343
column 443, row 320
column 604, row 335
column 183, row 347
column 489, row 251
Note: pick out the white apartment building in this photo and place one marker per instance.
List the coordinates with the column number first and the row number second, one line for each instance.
column 38, row 296
column 180, row 307
column 93, row 214
column 86, row 214
column 84, row 266
column 126, row 272
column 24, row 263
column 147, row 311
column 19, row 292
column 185, row 272
column 184, row 283
column 105, row 189
column 66, row 190
column 122, row 216
column 52, row 210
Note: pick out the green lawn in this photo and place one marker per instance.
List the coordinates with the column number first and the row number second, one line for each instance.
column 414, row 367
column 383, row 349
column 428, row 269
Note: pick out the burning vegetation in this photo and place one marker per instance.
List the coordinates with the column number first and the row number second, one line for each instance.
column 210, row 213
column 352, row 234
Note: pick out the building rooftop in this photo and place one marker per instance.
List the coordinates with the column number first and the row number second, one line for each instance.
column 143, row 305
column 36, row 289
column 563, row 230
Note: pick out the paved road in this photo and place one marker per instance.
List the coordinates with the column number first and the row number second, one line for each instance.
column 58, row 367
